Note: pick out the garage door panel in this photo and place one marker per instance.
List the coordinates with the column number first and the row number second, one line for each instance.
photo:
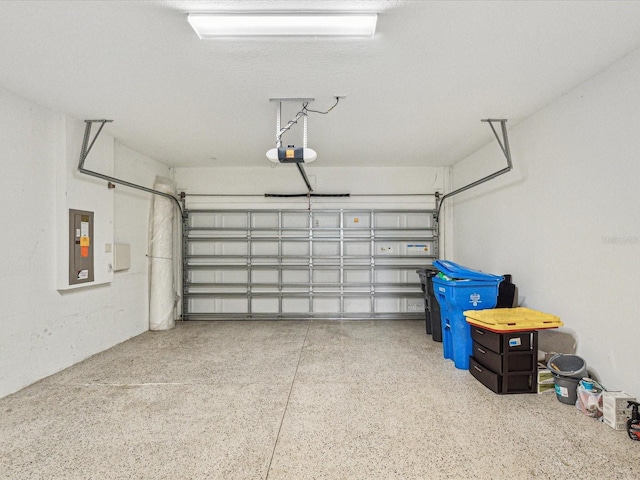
column 293, row 263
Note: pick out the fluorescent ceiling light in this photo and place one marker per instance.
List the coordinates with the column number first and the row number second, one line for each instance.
column 274, row 24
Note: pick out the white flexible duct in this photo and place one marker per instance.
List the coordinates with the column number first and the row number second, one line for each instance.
column 162, row 297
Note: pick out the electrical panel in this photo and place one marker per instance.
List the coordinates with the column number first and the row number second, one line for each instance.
column 80, row 247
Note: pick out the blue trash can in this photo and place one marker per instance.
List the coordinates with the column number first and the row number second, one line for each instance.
column 461, row 289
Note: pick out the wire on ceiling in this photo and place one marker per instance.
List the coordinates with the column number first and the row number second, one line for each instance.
column 304, row 112
column 305, row 109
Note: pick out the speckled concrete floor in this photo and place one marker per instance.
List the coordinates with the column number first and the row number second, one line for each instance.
column 294, row 400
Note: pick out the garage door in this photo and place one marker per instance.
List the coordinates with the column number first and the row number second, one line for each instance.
column 251, row 264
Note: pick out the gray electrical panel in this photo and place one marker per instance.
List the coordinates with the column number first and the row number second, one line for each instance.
column 80, row 246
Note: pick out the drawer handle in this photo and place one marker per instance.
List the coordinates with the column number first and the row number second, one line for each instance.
column 477, row 368
column 479, row 332
column 481, row 350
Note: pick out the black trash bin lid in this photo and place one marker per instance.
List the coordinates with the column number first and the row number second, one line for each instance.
column 428, row 271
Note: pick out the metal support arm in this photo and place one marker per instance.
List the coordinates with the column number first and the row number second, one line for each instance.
column 304, row 176
column 86, row 148
column 504, row 146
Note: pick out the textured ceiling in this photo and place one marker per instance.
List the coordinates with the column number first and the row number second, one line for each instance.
column 414, row 94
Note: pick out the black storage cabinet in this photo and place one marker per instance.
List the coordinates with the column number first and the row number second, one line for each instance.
column 431, row 305
column 505, row 362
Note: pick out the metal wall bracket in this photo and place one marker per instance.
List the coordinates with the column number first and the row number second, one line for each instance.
column 504, row 146
column 87, row 145
column 281, row 130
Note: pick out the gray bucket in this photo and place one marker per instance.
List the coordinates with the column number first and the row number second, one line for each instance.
column 566, row 389
column 567, row 371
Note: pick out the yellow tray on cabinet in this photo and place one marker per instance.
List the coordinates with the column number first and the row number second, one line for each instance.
column 512, row 319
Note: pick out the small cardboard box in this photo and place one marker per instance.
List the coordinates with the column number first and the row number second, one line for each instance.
column 616, row 400
column 546, row 387
column 615, row 409
column 545, row 379
column 544, row 374
column 612, row 412
column 615, row 423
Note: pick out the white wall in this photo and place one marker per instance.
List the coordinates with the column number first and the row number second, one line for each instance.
column 44, row 330
column 565, row 222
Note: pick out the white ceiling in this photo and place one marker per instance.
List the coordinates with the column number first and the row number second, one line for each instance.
column 414, row 94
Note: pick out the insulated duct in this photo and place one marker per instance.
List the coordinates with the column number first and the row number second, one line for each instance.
column 162, row 292
column 168, row 194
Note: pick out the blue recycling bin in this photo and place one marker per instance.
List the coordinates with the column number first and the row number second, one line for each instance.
column 464, row 289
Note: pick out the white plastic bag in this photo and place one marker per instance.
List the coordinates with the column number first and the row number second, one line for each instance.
column 589, row 402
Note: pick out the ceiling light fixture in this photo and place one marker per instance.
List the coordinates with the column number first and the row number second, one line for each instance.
column 279, row 24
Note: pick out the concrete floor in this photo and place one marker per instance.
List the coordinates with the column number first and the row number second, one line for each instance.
column 294, row 400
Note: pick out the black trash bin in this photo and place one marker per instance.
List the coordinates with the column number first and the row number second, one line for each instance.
column 507, row 293
column 431, row 305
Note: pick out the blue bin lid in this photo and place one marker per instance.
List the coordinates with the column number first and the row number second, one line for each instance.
column 453, row 270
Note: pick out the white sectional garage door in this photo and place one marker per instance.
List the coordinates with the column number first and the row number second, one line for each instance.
column 331, row 264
